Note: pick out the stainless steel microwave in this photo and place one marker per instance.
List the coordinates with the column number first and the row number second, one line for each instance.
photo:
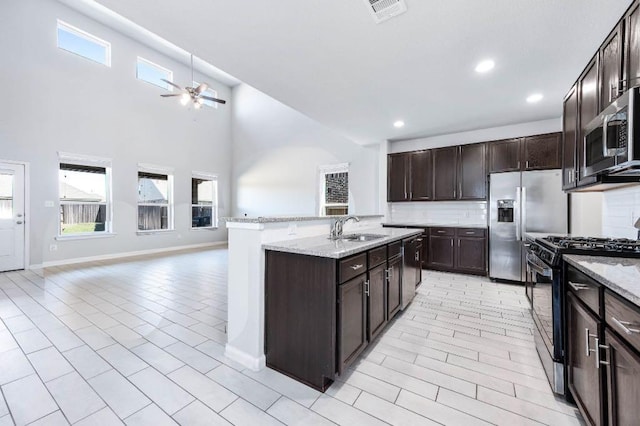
column 612, row 139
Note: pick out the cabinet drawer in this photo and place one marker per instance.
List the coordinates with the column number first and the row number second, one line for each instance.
column 352, row 267
column 377, row 256
column 442, row 232
column 623, row 317
column 395, row 249
column 584, row 288
column 471, row 232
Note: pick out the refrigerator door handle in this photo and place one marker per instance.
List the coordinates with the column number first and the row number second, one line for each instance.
column 517, row 213
column 523, row 210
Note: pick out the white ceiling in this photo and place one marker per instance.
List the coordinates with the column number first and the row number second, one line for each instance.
column 330, row 61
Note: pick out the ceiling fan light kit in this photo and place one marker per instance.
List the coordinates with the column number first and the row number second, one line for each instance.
column 192, row 94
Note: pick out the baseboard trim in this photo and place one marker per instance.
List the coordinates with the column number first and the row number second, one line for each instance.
column 125, row 254
column 243, row 358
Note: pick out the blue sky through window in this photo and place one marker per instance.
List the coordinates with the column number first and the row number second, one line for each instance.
column 81, row 44
column 153, row 74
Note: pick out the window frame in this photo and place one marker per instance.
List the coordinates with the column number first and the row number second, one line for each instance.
column 160, row 170
column 88, row 37
column 209, row 92
column 88, row 161
column 168, row 87
column 214, row 207
column 322, row 172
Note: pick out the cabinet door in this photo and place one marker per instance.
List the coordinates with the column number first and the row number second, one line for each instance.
column 471, row 255
column 397, row 171
column 445, row 165
column 441, row 252
column 623, row 390
column 424, row 256
column 584, row 378
column 421, row 176
column 395, row 289
column 588, row 109
column 352, row 320
column 504, row 156
column 611, row 66
column 632, row 45
column 542, row 152
column 472, row 178
column 377, row 301
column 569, row 138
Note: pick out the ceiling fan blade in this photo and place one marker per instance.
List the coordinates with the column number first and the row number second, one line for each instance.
column 201, row 88
column 209, row 98
column 168, row 95
column 171, row 83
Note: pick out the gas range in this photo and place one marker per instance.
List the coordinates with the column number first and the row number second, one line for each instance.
column 551, row 248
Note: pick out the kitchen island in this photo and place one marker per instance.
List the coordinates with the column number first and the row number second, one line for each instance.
column 326, row 300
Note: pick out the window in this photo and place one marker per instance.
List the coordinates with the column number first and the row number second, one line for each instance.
column 84, row 44
column 85, row 195
column 204, row 201
column 6, row 195
column 334, row 190
column 209, row 92
column 153, row 73
column 155, row 199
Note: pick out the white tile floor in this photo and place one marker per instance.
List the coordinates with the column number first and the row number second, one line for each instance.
column 140, row 341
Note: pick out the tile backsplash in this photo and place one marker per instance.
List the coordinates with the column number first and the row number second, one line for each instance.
column 620, row 210
column 440, row 212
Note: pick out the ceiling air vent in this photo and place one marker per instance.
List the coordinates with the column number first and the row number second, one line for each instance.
column 385, row 9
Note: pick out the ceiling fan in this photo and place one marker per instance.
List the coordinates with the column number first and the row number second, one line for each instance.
column 193, row 94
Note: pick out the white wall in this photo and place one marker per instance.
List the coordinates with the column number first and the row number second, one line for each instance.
column 621, row 209
column 54, row 101
column 276, row 155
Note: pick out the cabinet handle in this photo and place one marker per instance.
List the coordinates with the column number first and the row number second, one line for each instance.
column 470, row 232
column 356, row 267
column 587, row 348
column 598, row 361
column 440, row 232
column 366, row 287
column 578, row 286
column 451, row 243
column 622, row 325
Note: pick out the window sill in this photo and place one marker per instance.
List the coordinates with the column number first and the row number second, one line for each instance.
column 85, row 236
column 205, row 228
column 155, row 231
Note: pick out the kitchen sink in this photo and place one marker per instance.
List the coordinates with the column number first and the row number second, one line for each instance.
column 361, row 237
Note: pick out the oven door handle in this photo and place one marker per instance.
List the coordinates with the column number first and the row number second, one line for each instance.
column 534, row 266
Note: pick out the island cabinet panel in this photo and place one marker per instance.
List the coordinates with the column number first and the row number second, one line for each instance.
column 394, row 291
column 300, row 316
column 623, row 373
column 376, row 288
column 352, row 320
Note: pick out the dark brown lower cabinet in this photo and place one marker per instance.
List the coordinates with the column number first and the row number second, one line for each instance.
column 377, row 300
column 352, row 320
column 471, row 255
column 394, row 292
column 441, row 252
column 623, row 387
column 462, row 250
column 585, row 381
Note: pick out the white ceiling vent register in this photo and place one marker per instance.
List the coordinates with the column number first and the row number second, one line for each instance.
column 381, row 10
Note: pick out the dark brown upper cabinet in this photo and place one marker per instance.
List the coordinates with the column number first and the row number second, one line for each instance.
column 472, row 176
column 421, row 176
column 445, row 167
column 569, row 138
column 504, row 156
column 611, row 66
column 588, row 109
column 631, row 66
column 542, row 152
column 397, row 175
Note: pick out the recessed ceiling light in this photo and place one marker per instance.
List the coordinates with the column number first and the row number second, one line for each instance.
column 398, row 124
column 485, row 66
column 536, row 97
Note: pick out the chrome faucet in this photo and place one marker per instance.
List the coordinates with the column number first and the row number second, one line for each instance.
column 336, row 229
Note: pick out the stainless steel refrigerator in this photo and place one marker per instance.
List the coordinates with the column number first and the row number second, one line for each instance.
column 521, row 202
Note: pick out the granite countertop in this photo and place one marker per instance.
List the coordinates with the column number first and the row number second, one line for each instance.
column 274, row 219
column 322, row 246
column 620, row 275
column 435, row 224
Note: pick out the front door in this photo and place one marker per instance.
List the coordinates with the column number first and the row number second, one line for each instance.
column 12, row 229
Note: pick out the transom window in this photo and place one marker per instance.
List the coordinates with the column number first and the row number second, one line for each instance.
column 155, row 199
column 6, row 195
column 82, row 43
column 85, row 195
column 204, row 201
column 209, row 92
column 153, row 73
column 334, row 189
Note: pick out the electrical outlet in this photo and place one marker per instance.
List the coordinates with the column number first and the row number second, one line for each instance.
column 293, row 229
column 53, row 247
